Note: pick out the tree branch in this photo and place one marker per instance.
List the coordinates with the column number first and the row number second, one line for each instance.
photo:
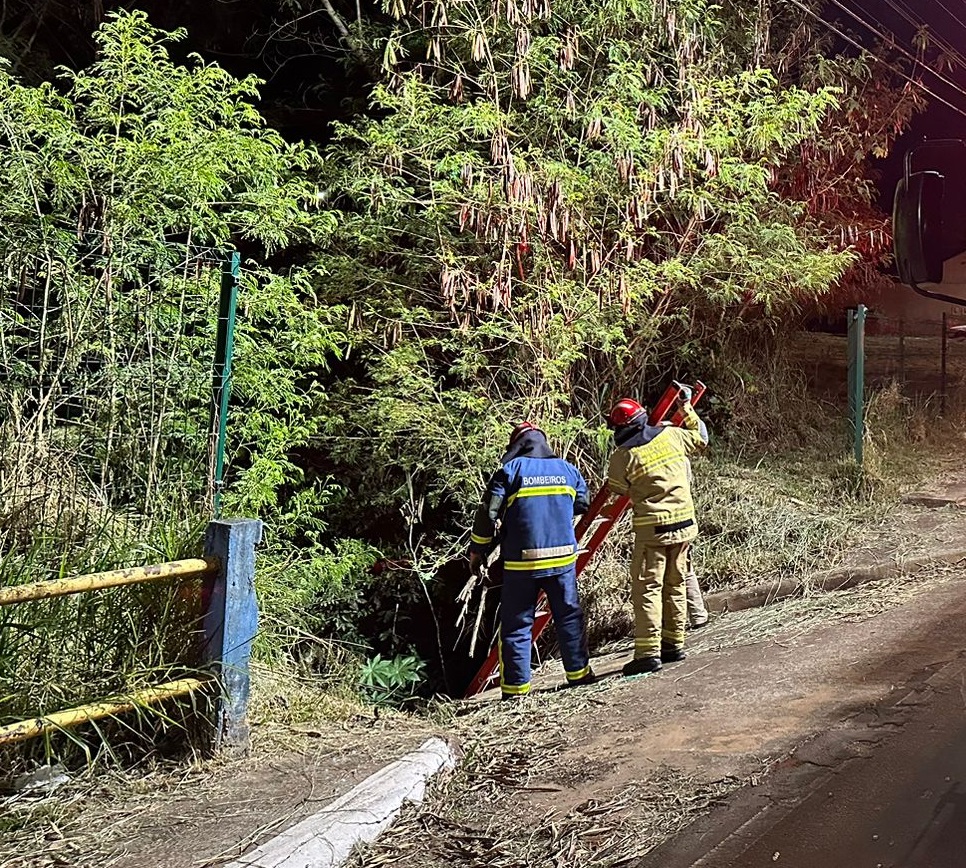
column 340, row 25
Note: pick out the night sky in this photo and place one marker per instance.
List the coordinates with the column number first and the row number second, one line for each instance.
column 946, row 19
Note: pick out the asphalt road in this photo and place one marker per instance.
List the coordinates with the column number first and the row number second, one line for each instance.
column 884, row 789
column 903, row 805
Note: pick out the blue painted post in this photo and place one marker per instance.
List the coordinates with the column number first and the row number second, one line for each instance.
column 230, row 624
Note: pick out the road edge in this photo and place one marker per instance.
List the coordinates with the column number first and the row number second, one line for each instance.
column 834, row 580
column 327, row 838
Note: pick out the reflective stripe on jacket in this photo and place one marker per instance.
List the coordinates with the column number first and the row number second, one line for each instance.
column 653, row 470
column 535, row 500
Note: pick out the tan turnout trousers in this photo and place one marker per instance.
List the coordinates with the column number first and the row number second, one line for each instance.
column 658, row 594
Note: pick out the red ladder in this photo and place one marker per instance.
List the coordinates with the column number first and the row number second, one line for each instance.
column 605, row 510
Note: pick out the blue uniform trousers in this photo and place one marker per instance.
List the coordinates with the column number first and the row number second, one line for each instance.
column 517, row 604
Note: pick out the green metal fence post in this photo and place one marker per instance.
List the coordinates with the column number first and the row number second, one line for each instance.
column 221, row 385
column 943, row 356
column 856, row 320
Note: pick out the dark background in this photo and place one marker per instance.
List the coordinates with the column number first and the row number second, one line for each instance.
column 310, row 82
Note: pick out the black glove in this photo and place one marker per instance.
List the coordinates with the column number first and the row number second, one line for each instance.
column 476, row 564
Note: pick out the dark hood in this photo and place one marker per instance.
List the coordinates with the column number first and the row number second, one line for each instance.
column 636, row 434
column 533, row 444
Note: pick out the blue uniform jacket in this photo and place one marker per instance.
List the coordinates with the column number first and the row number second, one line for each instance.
column 535, row 499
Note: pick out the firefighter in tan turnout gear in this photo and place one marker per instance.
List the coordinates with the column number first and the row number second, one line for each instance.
column 651, row 466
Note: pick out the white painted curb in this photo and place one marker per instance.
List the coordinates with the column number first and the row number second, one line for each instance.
column 326, row 839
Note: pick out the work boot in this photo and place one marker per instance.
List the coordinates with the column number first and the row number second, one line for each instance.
column 641, row 666
column 589, row 678
column 513, row 697
column 697, row 625
column 672, row 653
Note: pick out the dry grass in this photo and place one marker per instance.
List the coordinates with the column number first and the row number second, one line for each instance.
column 472, row 819
column 78, row 824
column 100, row 816
column 598, row 833
column 286, row 697
column 798, row 615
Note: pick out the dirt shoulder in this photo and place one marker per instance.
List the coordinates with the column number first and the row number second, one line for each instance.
column 188, row 815
column 601, row 776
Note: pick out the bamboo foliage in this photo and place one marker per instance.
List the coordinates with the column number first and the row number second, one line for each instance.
column 582, row 196
column 124, row 186
column 123, row 190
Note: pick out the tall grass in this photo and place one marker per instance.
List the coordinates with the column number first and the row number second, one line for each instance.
column 67, row 651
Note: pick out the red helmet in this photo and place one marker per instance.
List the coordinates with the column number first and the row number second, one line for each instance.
column 625, row 411
column 520, row 429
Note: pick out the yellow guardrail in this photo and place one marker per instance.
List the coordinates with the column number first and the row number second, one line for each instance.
column 111, row 579
column 9, row 596
column 27, row 729
column 228, row 625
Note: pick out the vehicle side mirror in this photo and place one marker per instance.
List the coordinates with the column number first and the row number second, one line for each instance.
column 918, row 228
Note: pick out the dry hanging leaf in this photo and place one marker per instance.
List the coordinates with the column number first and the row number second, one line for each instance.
column 479, row 46
column 520, row 79
column 567, row 55
column 499, row 148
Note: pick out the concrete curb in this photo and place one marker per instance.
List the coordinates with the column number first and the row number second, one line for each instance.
column 326, row 839
column 834, row 580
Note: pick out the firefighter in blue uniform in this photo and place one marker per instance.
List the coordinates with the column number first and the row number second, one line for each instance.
column 534, row 497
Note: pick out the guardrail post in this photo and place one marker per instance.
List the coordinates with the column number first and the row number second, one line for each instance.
column 230, row 623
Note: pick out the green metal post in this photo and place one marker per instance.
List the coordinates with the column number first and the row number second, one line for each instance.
column 943, row 383
column 221, row 385
column 856, row 320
